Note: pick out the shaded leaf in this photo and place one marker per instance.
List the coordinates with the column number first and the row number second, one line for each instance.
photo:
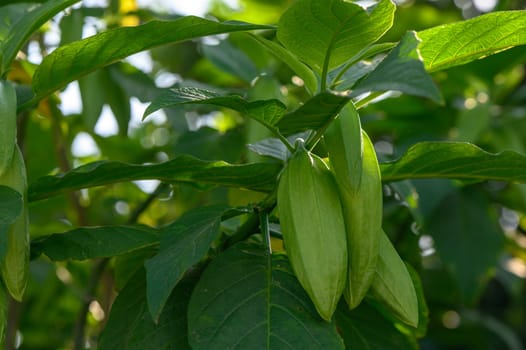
column 231, row 60
column 365, row 328
column 458, row 43
column 93, row 97
column 455, row 160
column 267, row 112
column 10, row 206
column 270, row 147
column 248, row 299
column 184, row 169
column 314, row 114
column 70, row 62
column 210, row 144
column 130, row 327
column 402, row 70
column 183, row 244
column 95, row 242
column 20, row 32
column 316, row 30
column 467, row 238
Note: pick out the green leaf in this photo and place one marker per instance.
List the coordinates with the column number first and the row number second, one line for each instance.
column 230, row 59
column 183, row 169
column 248, row 299
column 322, row 32
column 304, row 72
column 183, row 244
column 267, row 112
column 458, row 43
column 211, row 144
column 70, row 62
column 117, row 99
column 130, row 327
column 10, row 206
column 455, row 160
column 95, row 242
column 314, row 114
column 93, row 97
column 467, row 238
column 20, row 32
column 365, row 328
column 402, row 70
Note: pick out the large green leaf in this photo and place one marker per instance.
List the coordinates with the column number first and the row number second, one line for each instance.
column 22, row 29
column 366, row 328
column 467, row 238
column 455, row 160
column 329, row 32
column 267, row 112
column 186, row 169
column 95, row 242
column 183, row 244
column 130, row 327
column 70, row 62
column 457, row 43
column 249, row 299
column 402, row 70
column 314, row 114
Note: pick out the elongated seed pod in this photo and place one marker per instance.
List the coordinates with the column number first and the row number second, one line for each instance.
column 343, row 140
column 362, row 210
column 15, row 265
column 313, row 229
column 7, row 124
column 392, row 284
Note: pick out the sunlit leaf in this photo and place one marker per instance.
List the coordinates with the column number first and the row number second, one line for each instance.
column 329, row 32
column 70, row 62
column 455, row 160
column 20, row 32
column 458, row 43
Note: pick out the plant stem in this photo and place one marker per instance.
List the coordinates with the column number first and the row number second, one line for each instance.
column 263, row 224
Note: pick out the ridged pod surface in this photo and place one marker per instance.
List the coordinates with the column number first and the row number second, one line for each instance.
column 7, row 124
column 343, row 140
column 15, row 265
column 360, row 189
column 393, row 285
column 313, row 229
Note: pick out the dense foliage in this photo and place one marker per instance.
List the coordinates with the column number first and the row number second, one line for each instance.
column 162, row 231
